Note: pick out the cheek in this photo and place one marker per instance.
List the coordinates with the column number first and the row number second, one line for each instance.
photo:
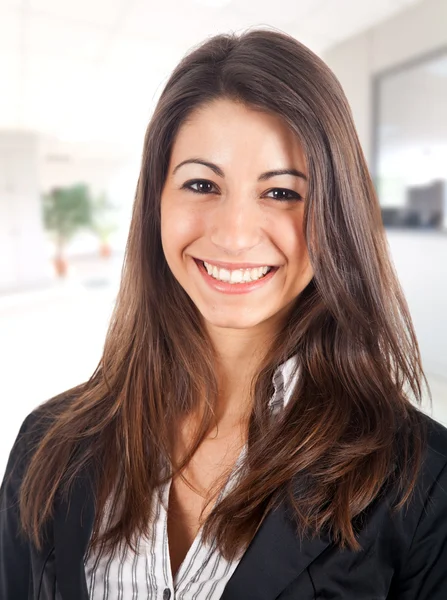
column 302, row 258
column 293, row 245
column 179, row 227
column 169, row 231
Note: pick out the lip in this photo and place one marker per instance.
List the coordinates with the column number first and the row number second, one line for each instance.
column 234, row 288
column 234, row 266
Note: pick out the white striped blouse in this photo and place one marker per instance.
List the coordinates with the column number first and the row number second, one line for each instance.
column 146, row 574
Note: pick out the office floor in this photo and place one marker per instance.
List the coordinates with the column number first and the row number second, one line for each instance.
column 51, row 340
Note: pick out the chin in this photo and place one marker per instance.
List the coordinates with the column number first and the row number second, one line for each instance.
column 234, row 321
column 231, row 324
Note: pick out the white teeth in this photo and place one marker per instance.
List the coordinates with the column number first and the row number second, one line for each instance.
column 224, row 275
column 236, row 276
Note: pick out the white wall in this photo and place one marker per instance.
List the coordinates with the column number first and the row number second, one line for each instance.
column 420, row 258
column 23, row 259
column 421, row 263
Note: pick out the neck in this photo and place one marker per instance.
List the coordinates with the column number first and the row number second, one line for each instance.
column 239, row 355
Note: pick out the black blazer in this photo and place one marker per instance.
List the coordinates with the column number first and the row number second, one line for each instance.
column 404, row 556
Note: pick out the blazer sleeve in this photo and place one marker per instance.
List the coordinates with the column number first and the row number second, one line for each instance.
column 15, row 567
column 424, row 571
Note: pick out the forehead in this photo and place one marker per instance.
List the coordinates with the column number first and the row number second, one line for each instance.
column 225, row 131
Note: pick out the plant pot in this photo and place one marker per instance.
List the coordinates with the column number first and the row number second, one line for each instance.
column 105, row 250
column 61, row 266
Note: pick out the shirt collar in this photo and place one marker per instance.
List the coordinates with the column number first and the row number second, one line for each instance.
column 284, row 380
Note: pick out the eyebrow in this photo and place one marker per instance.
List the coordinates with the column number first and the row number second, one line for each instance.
column 262, row 177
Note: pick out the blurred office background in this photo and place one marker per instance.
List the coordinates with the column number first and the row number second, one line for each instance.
column 79, row 80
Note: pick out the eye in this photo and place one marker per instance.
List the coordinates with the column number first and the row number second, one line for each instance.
column 203, row 186
column 284, row 195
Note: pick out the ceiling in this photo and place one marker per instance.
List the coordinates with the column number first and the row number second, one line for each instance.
column 86, row 73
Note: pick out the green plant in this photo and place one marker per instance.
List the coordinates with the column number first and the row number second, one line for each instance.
column 65, row 212
column 102, row 221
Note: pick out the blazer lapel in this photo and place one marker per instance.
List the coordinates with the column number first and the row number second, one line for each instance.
column 274, row 558
column 73, row 523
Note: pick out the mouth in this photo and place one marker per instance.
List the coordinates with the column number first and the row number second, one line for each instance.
column 244, row 274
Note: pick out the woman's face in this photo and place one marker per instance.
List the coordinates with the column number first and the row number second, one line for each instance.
column 232, row 228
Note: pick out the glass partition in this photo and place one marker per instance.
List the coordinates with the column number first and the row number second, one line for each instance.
column 410, row 143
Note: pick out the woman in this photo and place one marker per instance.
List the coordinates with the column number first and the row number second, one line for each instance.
column 249, row 431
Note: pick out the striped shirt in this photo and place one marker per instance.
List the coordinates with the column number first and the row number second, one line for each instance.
column 146, row 574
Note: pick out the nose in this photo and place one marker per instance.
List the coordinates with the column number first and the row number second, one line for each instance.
column 236, row 227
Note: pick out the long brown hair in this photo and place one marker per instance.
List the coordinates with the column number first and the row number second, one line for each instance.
column 351, row 426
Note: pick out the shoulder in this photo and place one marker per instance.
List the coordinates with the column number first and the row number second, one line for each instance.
column 422, row 526
column 35, row 426
column 397, row 520
column 435, row 458
column 432, row 481
column 433, row 467
column 46, row 413
column 425, row 514
column 422, row 431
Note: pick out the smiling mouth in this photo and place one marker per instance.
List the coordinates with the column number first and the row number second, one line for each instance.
column 241, row 275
